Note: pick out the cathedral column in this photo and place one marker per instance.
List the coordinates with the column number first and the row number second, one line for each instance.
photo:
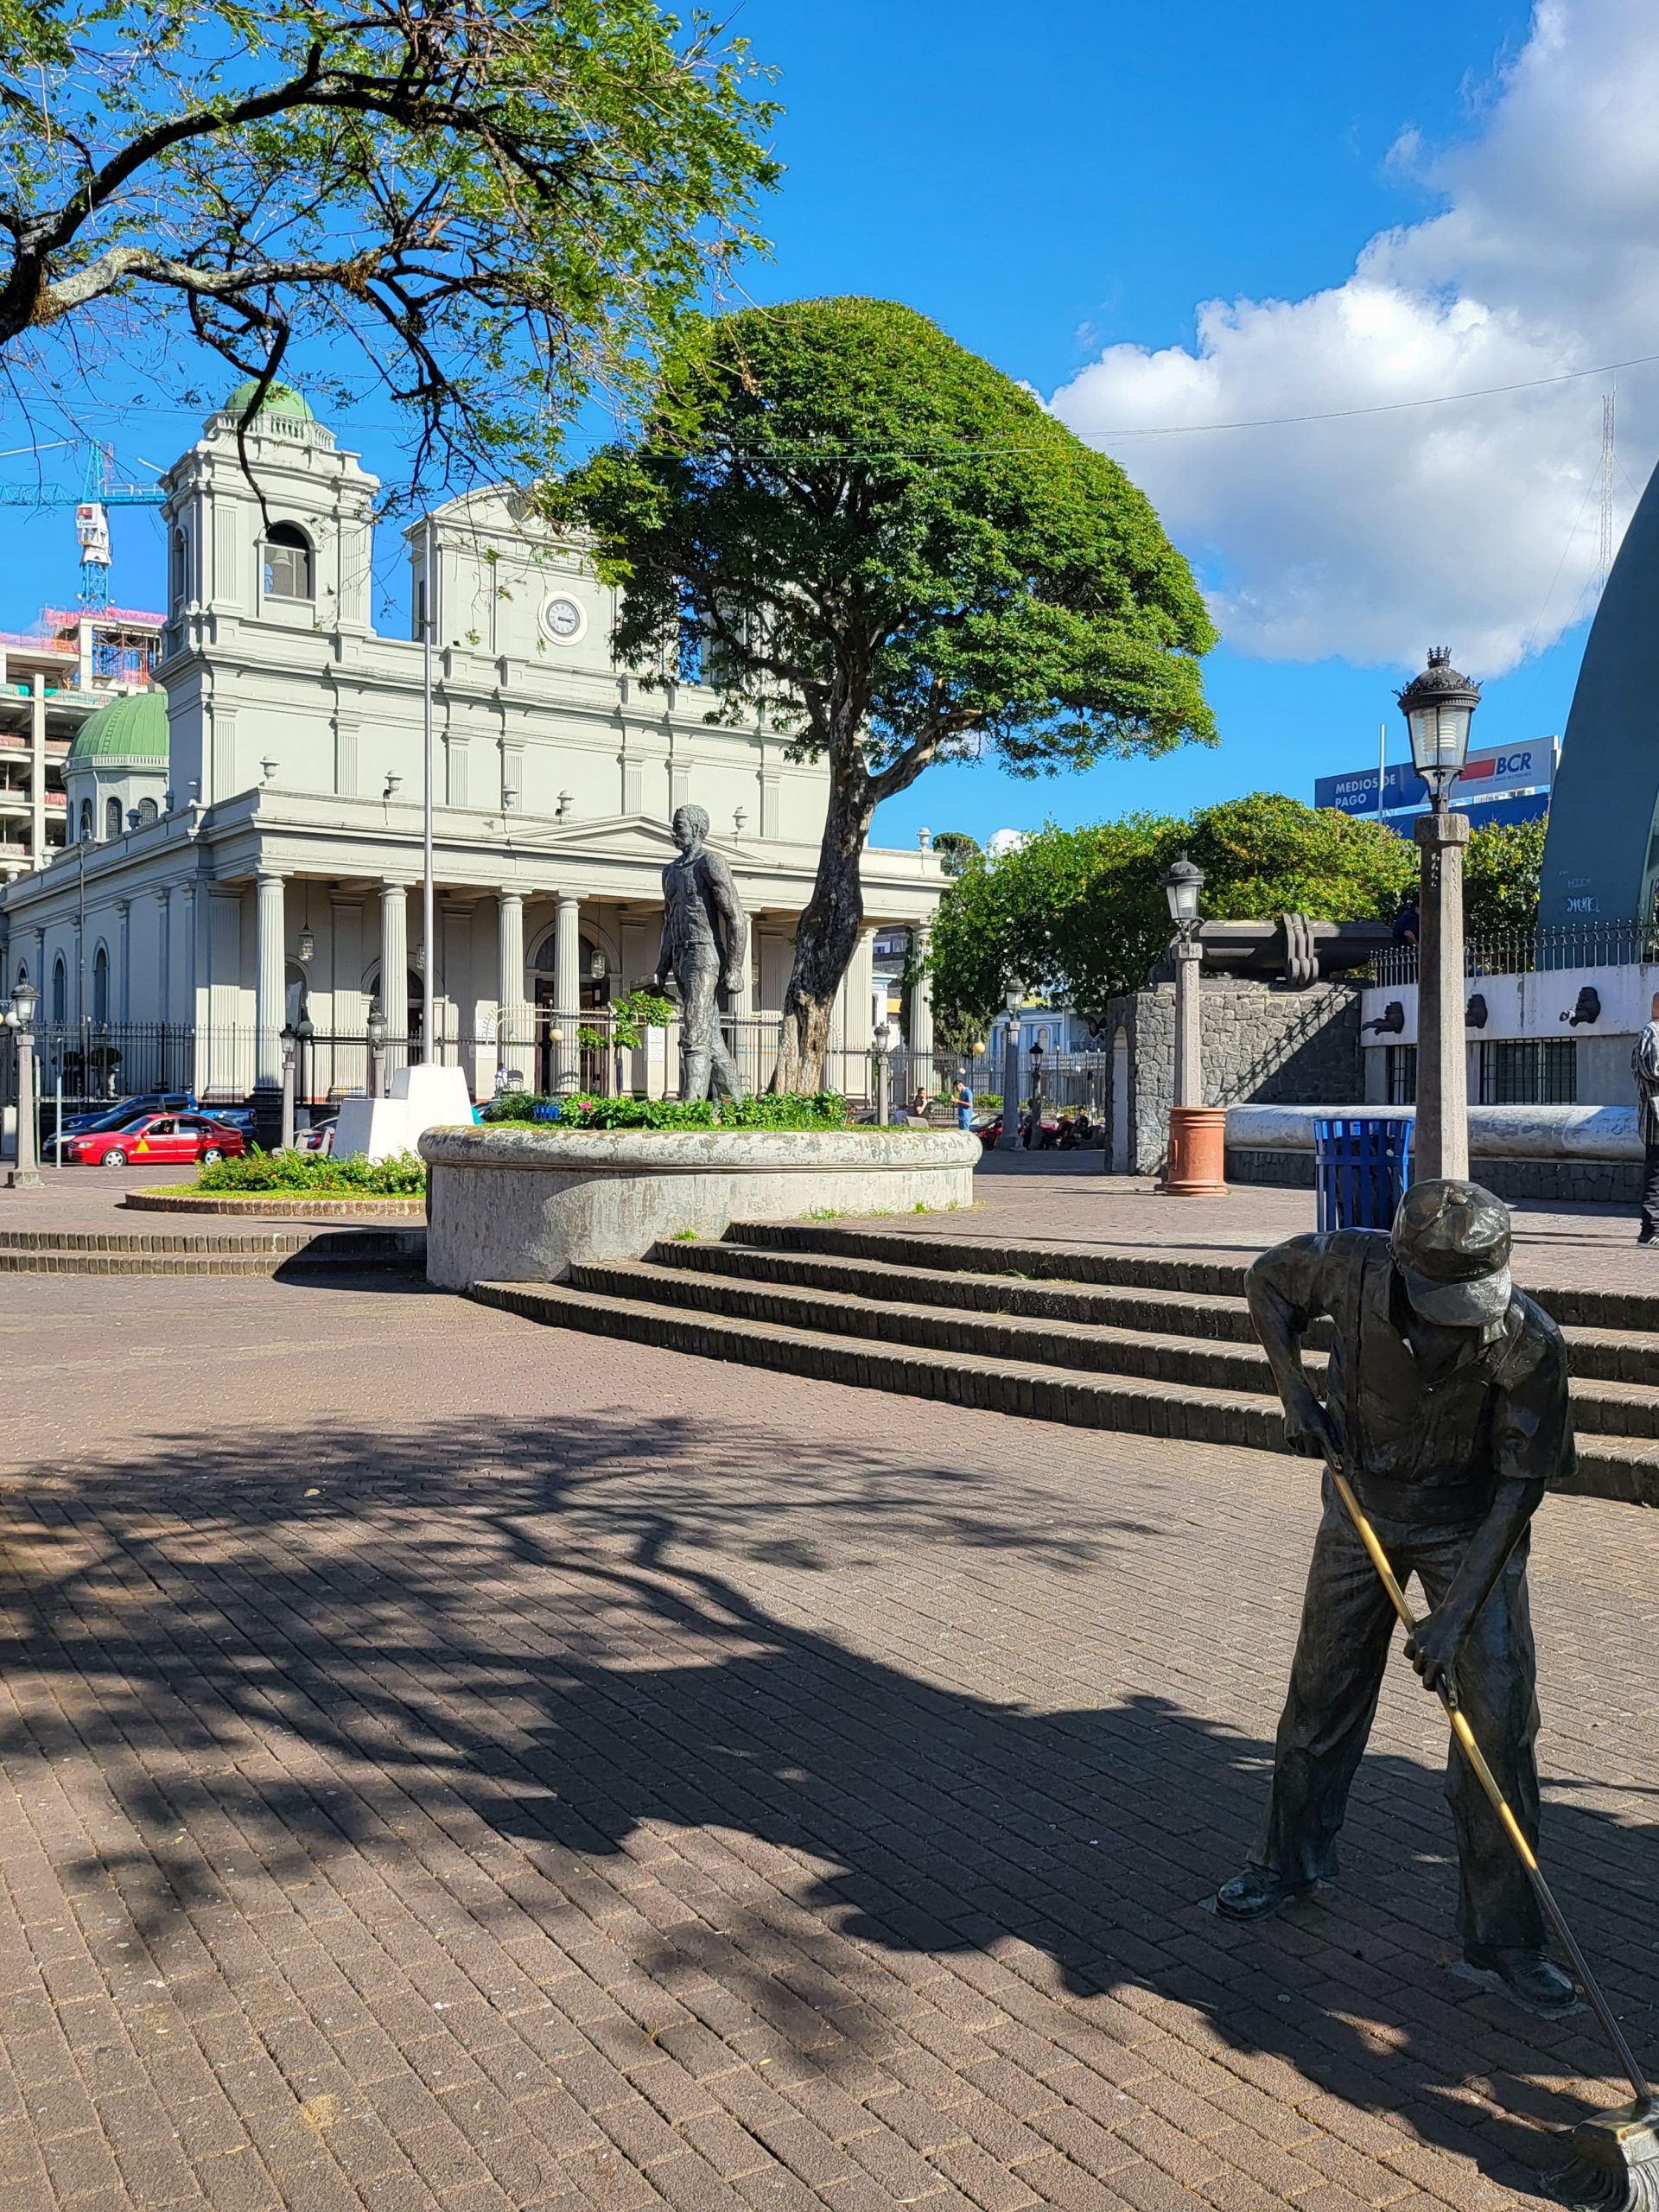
column 510, row 973
column 270, row 980
column 394, row 971
column 567, row 988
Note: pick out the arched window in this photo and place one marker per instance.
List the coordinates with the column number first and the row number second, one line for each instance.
column 148, row 812
column 287, row 563
column 101, row 986
column 86, row 821
column 111, row 817
column 60, row 991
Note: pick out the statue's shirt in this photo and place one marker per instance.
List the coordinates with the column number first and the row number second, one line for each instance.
column 1478, row 1410
column 688, row 916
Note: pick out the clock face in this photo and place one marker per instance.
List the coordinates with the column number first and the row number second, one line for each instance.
column 562, row 619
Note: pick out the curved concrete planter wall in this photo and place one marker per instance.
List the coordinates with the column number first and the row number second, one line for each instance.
column 521, row 1206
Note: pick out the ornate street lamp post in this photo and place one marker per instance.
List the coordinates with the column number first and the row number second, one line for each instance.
column 377, row 1027
column 25, row 1171
column 1438, row 706
column 883, row 1040
column 1194, row 1164
column 1014, row 999
column 290, row 1040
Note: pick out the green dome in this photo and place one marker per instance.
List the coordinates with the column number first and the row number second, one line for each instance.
column 281, row 399
column 130, row 728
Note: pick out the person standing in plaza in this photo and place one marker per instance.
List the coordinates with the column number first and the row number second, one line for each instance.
column 962, row 1099
column 1645, row 1066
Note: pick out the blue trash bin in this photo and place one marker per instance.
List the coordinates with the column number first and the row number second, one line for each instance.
column 1361, row 1166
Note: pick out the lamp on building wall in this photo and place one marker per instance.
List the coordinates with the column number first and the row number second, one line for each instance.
column 566, row 802
column 739, row 818
column 393, row 784
column 1439, row 705
column 308, row 947
column 596, row 966
column 1194, row 1164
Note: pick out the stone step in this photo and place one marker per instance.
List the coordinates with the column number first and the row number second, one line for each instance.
column 1609, row 1466
column 1171, row 1312
column 1613, row 1407
column 318, row 1251
column 299, row 1239
column 1595, row 1354
column 1085, row 1348
column 1617, row 1310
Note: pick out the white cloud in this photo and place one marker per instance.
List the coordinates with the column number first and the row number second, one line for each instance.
column 1474, row 524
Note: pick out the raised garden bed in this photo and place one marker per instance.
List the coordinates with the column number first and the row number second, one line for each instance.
column 522, row 1204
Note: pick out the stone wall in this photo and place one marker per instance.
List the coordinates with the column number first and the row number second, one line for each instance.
column 1261, row 1042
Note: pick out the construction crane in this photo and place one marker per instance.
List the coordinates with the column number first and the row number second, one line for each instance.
column 92, row 504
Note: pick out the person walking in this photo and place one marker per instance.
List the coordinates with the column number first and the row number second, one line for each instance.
column 962, row 1099
column 1645, row 1066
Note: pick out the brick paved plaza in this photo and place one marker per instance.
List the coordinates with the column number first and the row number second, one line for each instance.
column 452, row 1763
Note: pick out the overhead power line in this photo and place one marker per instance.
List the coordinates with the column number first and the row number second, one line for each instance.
column 1386, row 406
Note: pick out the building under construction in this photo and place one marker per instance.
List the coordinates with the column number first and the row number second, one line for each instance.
column 50, row 682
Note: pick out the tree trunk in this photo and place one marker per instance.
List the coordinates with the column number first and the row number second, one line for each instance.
column 826, row 937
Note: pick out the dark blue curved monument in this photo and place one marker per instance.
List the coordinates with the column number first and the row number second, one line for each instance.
column 1601, row 850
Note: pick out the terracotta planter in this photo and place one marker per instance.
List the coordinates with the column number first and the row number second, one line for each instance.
column 1198, row 1153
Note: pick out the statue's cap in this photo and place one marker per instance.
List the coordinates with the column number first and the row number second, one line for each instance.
column 1452, row 1244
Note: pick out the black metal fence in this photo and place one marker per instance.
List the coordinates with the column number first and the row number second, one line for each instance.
column 1592, row 942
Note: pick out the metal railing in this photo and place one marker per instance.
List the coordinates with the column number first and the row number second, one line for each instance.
column 1592, row 942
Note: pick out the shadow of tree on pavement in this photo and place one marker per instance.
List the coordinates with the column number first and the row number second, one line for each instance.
column 548, row 1632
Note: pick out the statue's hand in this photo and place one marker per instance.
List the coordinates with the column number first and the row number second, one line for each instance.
column 1310, row 1430
column 732, row 980
column 1432, row 1648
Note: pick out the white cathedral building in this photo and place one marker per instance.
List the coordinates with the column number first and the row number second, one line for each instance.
column 244, row 840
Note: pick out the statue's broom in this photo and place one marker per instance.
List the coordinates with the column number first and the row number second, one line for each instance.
column 1615, row 2161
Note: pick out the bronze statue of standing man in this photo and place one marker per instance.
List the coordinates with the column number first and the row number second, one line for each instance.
column 1445, row 1406
column 705, row 944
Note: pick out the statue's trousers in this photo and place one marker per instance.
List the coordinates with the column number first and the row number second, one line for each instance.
column 1341, row 1653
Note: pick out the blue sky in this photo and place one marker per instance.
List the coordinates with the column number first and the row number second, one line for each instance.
column 1075, row 175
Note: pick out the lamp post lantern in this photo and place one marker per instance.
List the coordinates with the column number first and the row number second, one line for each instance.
column 882, row 1038
column 1439, row 705
column 1014, row 999
column 1194, row 1168
column 25, row 1174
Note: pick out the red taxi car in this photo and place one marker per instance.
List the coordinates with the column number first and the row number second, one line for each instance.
column 164, row 1138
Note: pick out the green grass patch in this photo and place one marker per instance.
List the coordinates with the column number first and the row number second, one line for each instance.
column 401, row 1176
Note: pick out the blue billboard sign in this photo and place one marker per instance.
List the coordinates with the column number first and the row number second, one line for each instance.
column 1491, row 775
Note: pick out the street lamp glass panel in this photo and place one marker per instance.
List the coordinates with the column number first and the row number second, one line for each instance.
column 1182, row 884
column 1438, row 706
column 24, row 999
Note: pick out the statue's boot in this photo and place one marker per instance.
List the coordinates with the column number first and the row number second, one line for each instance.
column 1256, row 1894
column 1531, row 1978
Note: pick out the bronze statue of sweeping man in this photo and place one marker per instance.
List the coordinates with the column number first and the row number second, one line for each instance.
column 1445, row 1406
